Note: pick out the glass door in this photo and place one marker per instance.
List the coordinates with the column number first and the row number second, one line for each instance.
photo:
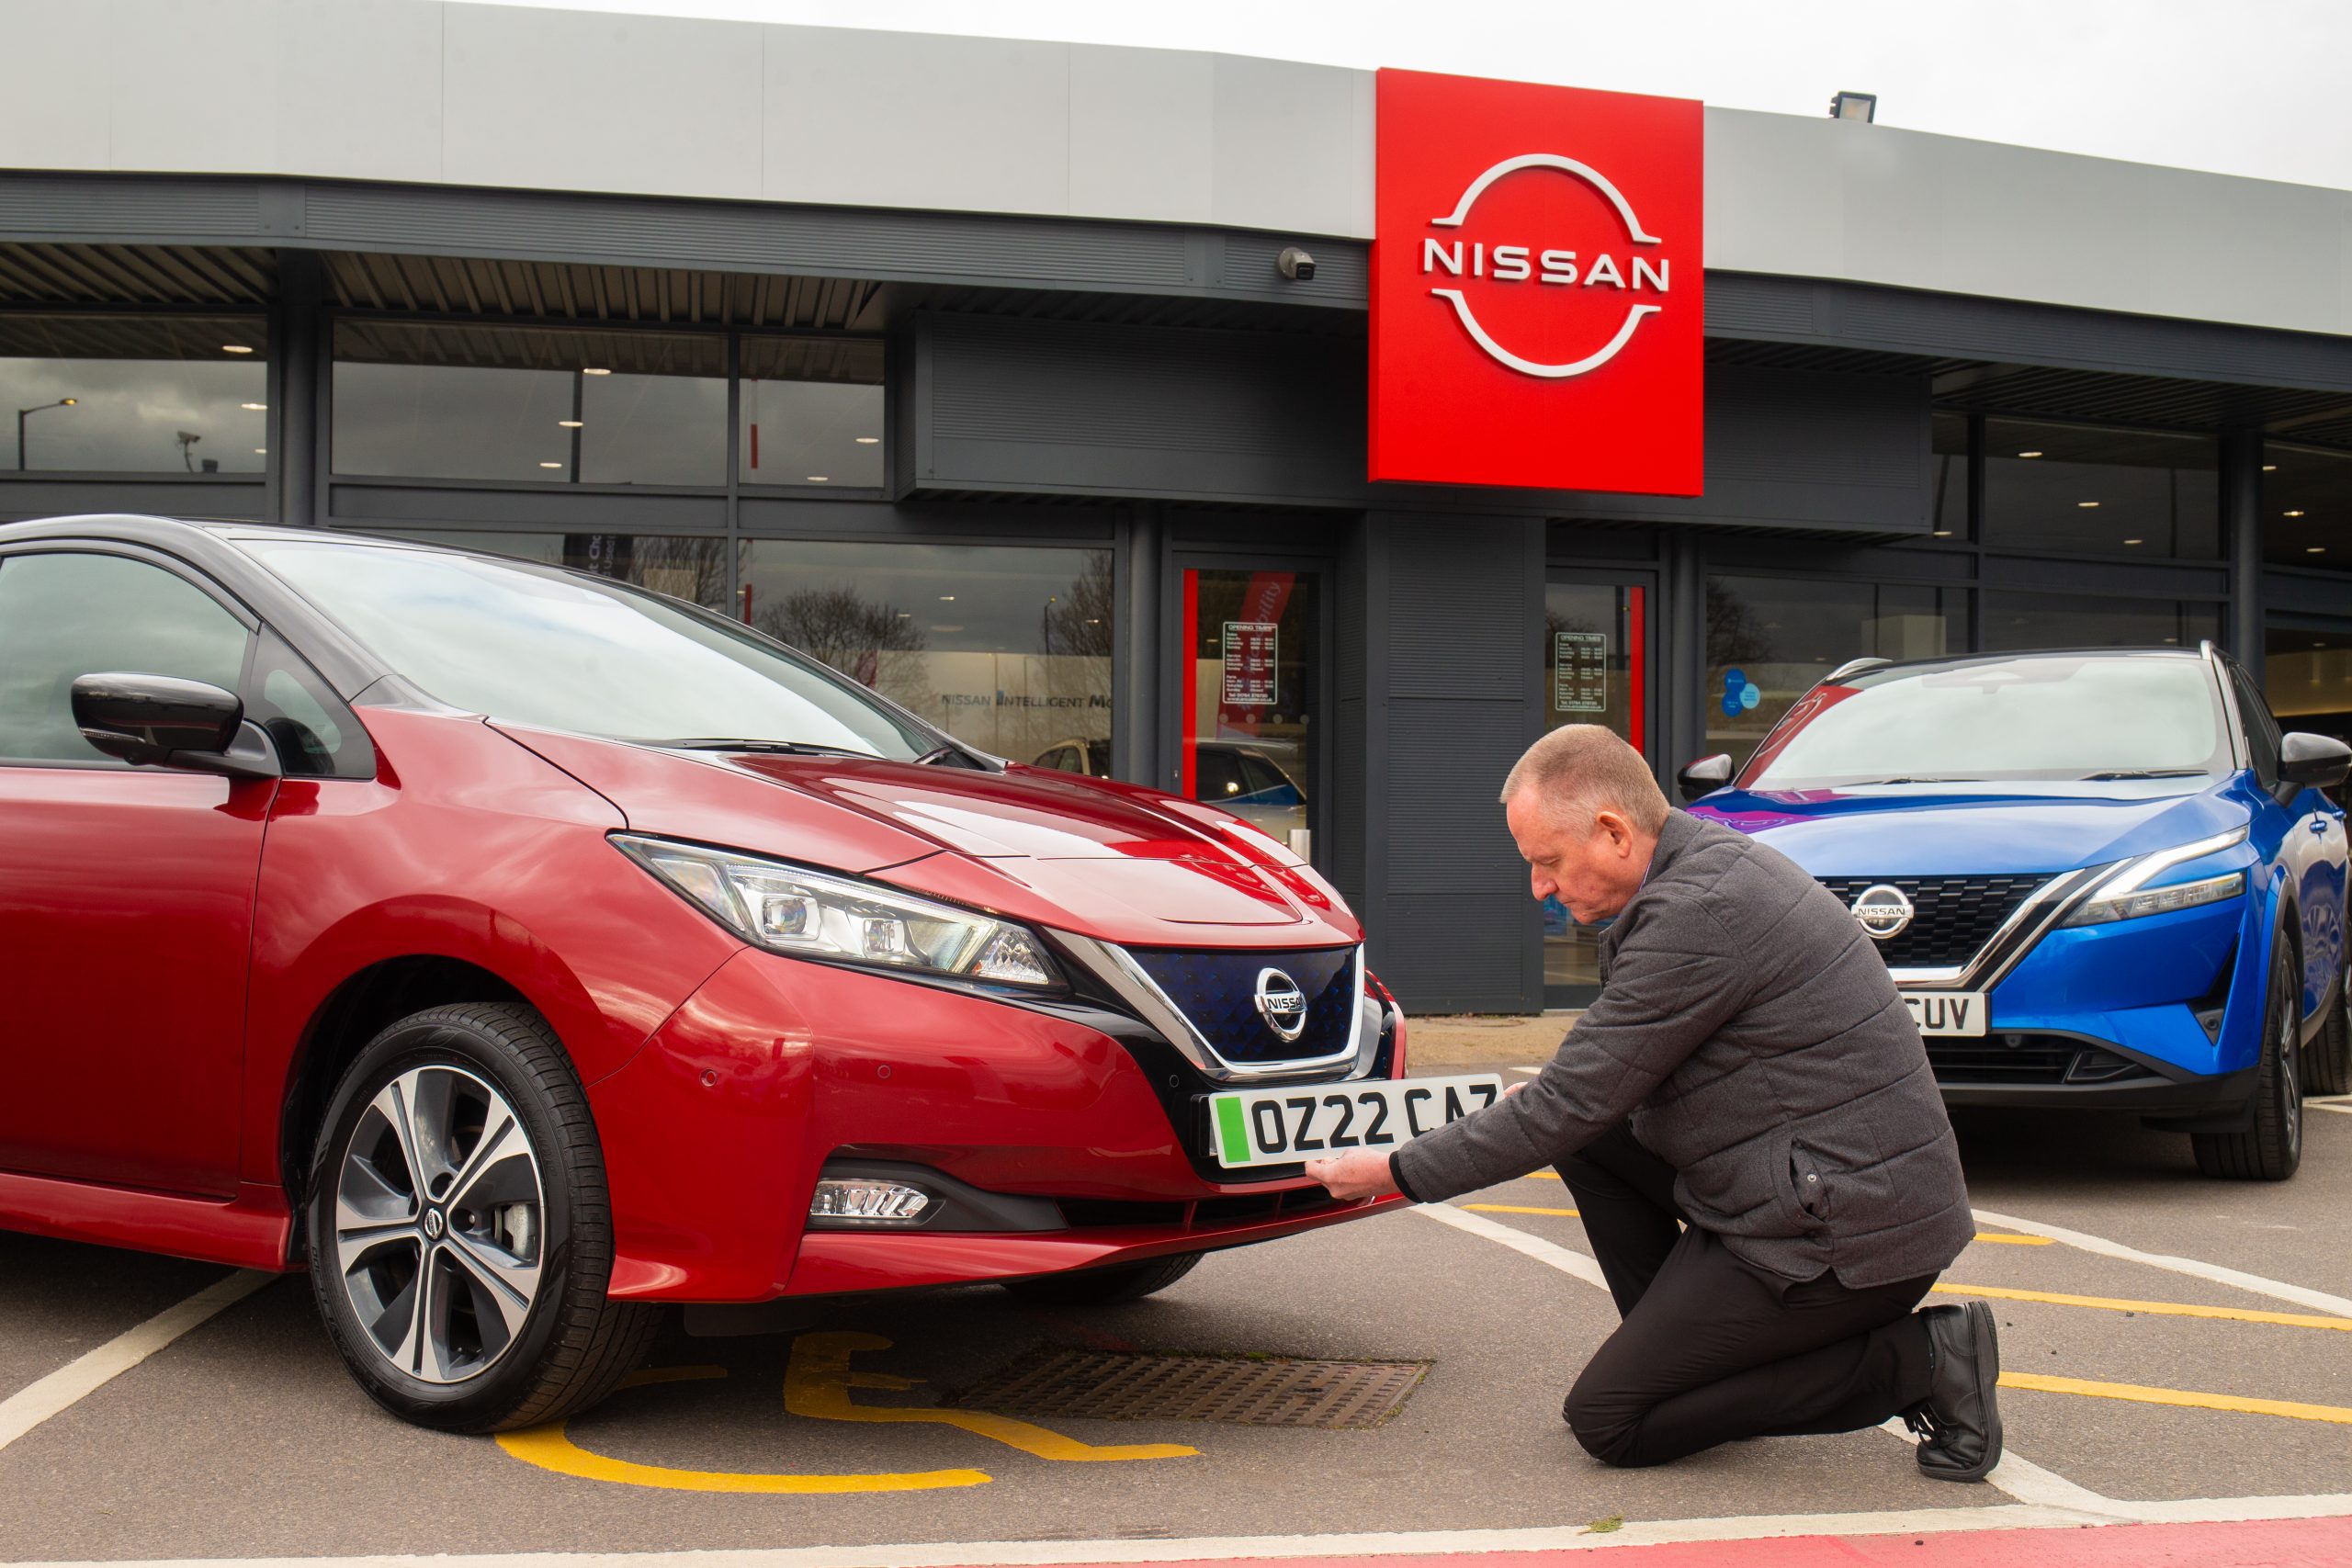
column 1250, row 695
column 1596, row 657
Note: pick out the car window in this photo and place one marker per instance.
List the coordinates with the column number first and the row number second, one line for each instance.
column 2044, row 716
column 64, row 615
column 2262, row 736
column 560, row 651
column 1217, row 776
column 315, row 735
column 1260, row 775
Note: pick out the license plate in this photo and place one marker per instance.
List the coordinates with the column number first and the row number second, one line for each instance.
column 1947, row 1012
column 1282, row 1126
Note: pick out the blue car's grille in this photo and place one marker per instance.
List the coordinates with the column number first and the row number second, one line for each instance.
column 1953, row 916
column 1217, row 992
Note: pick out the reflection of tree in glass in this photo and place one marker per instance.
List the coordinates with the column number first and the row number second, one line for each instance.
column 854, row 635
column 1077, row 647
column 1734, row 637
column 688, row 569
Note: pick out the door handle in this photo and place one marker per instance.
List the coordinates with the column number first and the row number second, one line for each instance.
column 2318, row 825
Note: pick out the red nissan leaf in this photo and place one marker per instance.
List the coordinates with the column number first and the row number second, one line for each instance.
column 519, row 951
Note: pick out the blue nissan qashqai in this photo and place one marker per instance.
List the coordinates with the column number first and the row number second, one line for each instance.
column 2101, row 879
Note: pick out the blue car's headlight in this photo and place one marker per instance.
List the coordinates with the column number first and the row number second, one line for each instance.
column 811, row 914
column 2126, row 895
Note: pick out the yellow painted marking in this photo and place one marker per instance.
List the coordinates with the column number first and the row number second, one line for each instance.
column 2155, row 1309
column 817, row 1384
column 2140, row 1394
column 1543, row 1176
column 2015, row 1240
column 1518, row 1209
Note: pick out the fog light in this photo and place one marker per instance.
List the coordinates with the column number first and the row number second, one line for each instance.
column 869, row 1199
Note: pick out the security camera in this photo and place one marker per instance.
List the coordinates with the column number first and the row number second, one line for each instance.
column 1296, row 264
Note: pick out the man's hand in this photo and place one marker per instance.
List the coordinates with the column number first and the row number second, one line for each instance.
column 1360, row 1173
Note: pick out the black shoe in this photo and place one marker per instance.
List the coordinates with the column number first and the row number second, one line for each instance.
column 1960, row 1421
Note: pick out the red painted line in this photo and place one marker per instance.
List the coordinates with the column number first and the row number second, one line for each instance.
column 2259, row 1543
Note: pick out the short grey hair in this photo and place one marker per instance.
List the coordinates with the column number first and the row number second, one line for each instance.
column 1584, row 769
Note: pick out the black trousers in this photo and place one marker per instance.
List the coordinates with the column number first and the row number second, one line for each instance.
column 1714, row 1349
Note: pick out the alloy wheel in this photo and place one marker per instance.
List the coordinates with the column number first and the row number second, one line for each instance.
column 2291, row 1086
column 438, row 1223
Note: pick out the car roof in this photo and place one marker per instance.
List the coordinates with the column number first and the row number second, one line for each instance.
column 1961, row 660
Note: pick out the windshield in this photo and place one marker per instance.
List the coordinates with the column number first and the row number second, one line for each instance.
column 2051, row 716
column 562, row 651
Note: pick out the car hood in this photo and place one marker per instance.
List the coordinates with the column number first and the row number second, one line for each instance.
column 1932, row 830
column 1108, row 861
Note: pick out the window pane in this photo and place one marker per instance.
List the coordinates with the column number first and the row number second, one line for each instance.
column 1768, row 639
column 1950, row 458
column 2083, row 490
column 1006, row 648
column 2015, row 620
column 149, row 395
column 64, row 616
column 1251, row 679
column 565, row 652
column 690, row 566
column 529, row 403
column 812, row 412
column 2307, row 507
column 2307, row 676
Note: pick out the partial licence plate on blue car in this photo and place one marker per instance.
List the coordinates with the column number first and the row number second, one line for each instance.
column 1283, row 1126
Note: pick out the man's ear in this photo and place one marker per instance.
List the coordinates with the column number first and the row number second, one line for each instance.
column 1619, row 831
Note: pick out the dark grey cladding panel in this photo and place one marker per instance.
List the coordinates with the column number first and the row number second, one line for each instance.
column 1456, row 586
column 1444, row 764
column 1063, row 407
column 1802, row 449
column 1457, row 953
column 1342, row 267
column 2306, row 592
column 437, row 506
column 236, row 501
column 2135, row 579
column 66, row 208
column 1743, row 305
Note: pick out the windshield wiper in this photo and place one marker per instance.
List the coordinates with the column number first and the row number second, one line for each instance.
column 939, row 754
column 2145, row 773
column 1864, row 784
column 781, row 748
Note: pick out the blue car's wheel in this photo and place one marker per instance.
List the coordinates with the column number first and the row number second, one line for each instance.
column 2273, row 1147
column 2327, row 1063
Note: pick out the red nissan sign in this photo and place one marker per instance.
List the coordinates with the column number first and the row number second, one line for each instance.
column 1536, row 287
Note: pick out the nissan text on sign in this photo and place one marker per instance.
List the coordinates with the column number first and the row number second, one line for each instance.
column 1537, row 286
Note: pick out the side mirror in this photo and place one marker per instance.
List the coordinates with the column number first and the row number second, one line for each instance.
column 163, row 721
column 2319, row 761
column 1704, row 776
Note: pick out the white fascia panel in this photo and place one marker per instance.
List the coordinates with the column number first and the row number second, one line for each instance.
column 582, row 100
column 54, row 111
column 916, row 120
column 1291, row 154
column 1141, row 133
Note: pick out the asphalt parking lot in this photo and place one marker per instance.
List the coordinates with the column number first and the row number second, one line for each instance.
column 2169, row 1340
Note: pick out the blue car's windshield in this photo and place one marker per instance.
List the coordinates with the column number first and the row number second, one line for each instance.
column 563, row 651
column 2047, row 716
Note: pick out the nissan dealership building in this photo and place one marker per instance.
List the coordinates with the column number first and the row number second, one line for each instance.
column 1307, row 440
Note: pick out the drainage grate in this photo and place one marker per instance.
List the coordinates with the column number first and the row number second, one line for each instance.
column 1252, row 1390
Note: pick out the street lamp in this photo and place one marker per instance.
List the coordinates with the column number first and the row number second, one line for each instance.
column 22, row 414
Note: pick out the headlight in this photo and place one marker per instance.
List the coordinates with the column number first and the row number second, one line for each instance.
column 814, row 914
column 2126, row 895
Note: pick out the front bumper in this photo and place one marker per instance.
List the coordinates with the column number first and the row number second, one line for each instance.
column 716, row 1133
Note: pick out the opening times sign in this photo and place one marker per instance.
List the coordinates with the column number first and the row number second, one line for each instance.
column 1252, row 662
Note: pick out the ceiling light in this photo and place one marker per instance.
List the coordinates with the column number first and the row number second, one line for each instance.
column 1944, row 532
column 869, row 441
column 595, row 372
column 234, row 348
column 2087, row 503
column 2029, row 453
column 2297, row 513
column 2269, row 467
column 551, row 465
column 2314, row 549
column 570, row 423
column 820, row 478
column 2135, row 541
column 261, row 451
column 947, row 598
column 903, row 615
column 255, row 407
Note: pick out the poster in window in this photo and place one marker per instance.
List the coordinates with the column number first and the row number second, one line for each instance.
column 1580, row 671
column 1250, row 656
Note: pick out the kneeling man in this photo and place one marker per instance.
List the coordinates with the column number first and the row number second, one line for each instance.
column 1753, row 1136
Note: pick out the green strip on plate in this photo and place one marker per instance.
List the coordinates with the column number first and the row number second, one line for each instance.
column 1232, row 1132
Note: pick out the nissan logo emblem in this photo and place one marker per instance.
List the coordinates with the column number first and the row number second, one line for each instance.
column 1883, row 910
column 1282, row 1004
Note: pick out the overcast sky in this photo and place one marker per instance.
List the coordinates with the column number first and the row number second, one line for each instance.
column 2260, row 87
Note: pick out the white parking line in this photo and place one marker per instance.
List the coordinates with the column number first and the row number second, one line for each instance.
column 2340, row 1109
column 2213, row 1273
column 2019, row 1477
column 29, row 1406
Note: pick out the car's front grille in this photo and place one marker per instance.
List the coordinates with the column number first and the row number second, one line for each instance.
column 1216, row 990
column 1952, row 917
column 2026, row 1060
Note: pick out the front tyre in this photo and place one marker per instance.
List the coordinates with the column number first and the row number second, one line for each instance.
column 460, row 1233
column 2273, row 1147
